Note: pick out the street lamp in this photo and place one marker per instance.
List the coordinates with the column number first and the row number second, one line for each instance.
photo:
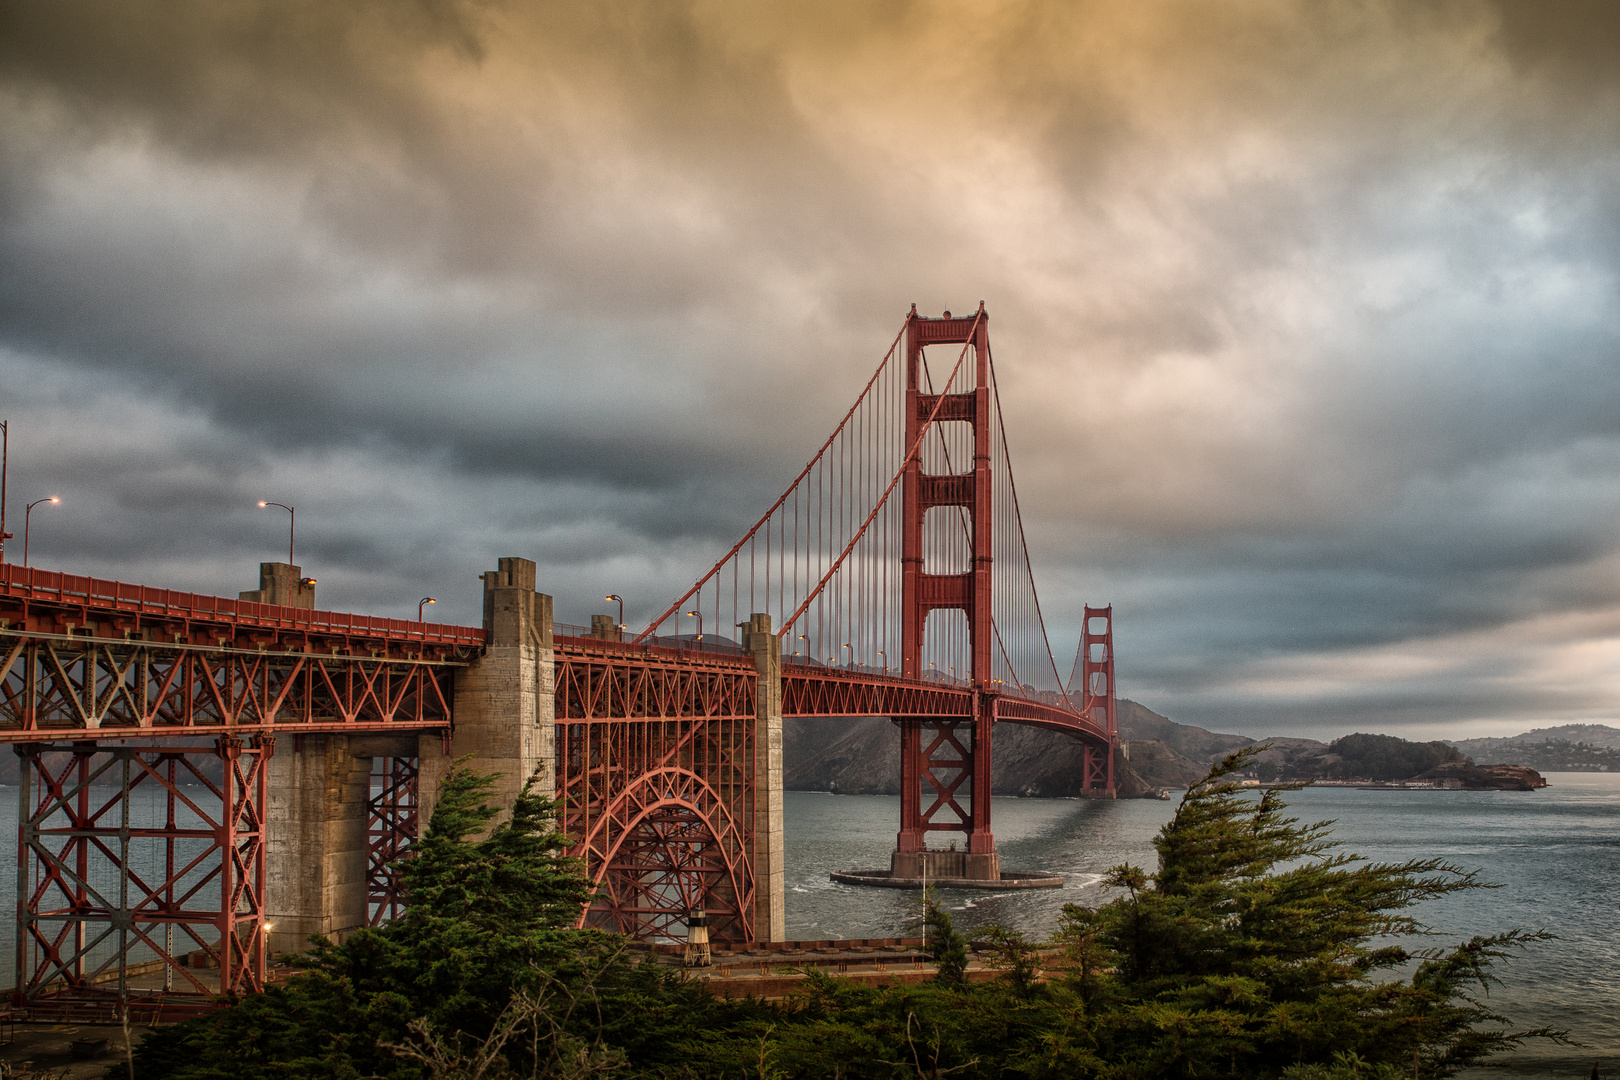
column 292, row 522
column 26, row 515
column 806, row 639
column 885, row 662
column 422, row 603
column 5, row 459
column 620, row 599
column 851, row 662
column 699, row 616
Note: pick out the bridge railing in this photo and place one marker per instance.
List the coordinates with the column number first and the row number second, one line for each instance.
column 97, row 594
column 711, row 643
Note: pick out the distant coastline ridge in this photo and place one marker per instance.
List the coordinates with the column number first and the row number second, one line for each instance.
column 1157, row 754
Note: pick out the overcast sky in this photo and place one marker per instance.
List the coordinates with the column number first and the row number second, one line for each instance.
column 1305, row 311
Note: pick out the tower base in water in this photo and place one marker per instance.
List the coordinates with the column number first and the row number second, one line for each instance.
column 1009, row 879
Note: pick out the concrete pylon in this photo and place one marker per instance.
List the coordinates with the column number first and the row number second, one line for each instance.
column 284, row 584
column 315, row 851
column 505, row 704
column 770, row 895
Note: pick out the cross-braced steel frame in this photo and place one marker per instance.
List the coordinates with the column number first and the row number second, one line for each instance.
column 106, row 875
column 655, row 781
column 56, row 687
column 391, row 833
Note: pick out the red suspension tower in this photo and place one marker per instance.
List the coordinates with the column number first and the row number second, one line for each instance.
column 945, row 761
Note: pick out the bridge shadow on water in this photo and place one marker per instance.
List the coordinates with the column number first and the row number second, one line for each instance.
column 1078, row 838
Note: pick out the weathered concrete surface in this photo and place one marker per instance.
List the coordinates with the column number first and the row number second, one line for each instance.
column 952, row 864
column 505, row 703
column 282, row 583
column 770, row 890
column 315, row 857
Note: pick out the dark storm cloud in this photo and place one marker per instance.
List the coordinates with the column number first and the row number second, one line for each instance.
column 1305, row 313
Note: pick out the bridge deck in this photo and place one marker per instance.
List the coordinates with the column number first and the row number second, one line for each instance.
column 81, row 654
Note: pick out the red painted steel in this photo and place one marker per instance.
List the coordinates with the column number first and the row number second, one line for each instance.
column 930, row 785
column 79, row 655
column 50, row 600
column 655, row 780
column 392, row 829
column 105, row 877
column 1097, row 669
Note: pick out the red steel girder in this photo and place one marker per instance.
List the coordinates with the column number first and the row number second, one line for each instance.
column 392, row 830
column 200, row 872
column 816, row 691
column 1013, row 710
column 67, row 686
column 642, row 683
column 46, row 601
column 655, row 782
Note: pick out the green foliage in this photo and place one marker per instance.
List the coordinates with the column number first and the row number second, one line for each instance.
column 1257, row 949
column 1017, row 959
column 1345, row 1066
column 1258, row 945
column 1385, row 757
column 489, row 919
column 947, row 948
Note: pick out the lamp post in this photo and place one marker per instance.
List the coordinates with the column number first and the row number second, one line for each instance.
column 806, row 639
column 422, row 603
column 885, row 662
column 699, row 617
column 620, row 599
column 850, row 663
column 292, row 523
column 5, row 459
column 28, row 513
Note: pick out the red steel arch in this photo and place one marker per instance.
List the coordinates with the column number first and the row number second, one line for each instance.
column 656, row 783
column 670, row 844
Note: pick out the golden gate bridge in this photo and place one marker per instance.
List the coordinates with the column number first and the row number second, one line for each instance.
column 202, row 777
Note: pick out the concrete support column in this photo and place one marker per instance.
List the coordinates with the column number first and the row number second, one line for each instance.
column 504, row 704
column 770, row 892
column 315, row 856
column 284, row 584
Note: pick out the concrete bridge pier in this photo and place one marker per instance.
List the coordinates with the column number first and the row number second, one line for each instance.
column 320, row 785
column 505, row 703
column 504, row 716
column 770, row 890
column 315, row 847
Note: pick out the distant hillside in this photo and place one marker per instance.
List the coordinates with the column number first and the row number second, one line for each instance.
column 1567, row 748
column 1139, row 722
column 862, row 756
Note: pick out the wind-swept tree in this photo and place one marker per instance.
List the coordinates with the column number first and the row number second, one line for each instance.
column 1260, row 945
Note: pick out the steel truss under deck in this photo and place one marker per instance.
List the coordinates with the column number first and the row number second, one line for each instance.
column 392, row 825
column 151, row 853
column 655, row 780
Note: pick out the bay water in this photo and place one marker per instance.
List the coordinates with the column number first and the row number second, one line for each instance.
column 1555, row 853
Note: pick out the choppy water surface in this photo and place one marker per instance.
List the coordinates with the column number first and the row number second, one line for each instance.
column 1555, row 852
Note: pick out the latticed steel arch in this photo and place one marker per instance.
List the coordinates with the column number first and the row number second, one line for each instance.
column 656, row 784
column 670, row 845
